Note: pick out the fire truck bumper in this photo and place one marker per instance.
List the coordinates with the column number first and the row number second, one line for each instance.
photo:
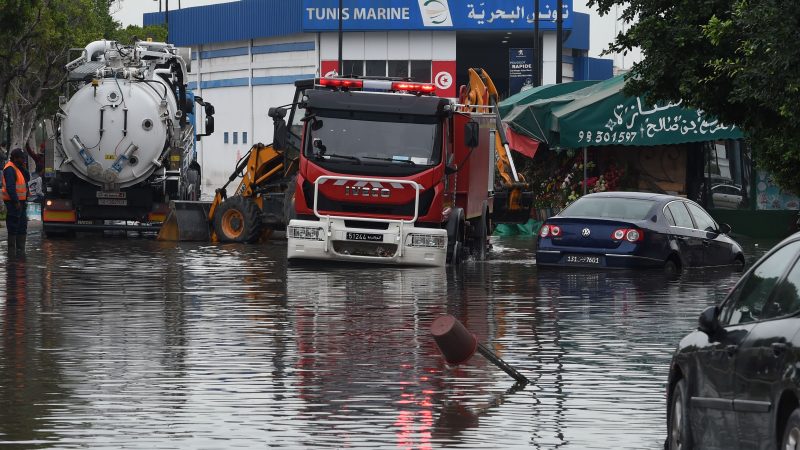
column 399, row 245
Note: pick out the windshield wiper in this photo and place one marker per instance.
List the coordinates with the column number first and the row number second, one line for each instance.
column 334, row 155
column 407, row 161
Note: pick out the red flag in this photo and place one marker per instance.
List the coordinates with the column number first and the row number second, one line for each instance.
column 521, row 143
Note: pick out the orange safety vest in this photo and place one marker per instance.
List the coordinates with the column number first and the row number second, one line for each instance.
column 22, row 186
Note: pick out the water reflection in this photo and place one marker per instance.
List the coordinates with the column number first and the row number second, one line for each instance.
column 136, row 343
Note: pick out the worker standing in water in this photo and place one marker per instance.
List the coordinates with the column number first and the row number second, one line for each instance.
column 15, row 196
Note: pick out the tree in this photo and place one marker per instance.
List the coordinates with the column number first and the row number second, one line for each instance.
column 34, row 72
column 734, row 59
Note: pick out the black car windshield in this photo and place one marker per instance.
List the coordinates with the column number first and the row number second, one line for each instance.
column 374, row 138
column 609, row 207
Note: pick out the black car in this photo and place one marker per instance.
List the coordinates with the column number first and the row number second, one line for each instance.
column 636, row 229
column 735, row 382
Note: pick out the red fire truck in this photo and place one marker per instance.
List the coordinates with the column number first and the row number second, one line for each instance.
column 390, row 173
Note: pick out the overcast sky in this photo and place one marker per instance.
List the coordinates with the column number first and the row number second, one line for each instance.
column 603, row 29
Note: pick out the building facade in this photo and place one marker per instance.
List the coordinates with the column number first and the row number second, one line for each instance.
column 247, row 54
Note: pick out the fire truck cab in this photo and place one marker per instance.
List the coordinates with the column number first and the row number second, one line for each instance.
column 390, row 173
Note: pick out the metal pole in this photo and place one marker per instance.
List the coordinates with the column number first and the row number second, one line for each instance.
column 585, row 161
column 559, row 40
column 536, row 47
column 504, row 366
column 340, row 68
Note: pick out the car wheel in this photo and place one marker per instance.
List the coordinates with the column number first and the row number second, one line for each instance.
column 791, row 435
column 671, row 267
column 738, row 264
column 678, row 432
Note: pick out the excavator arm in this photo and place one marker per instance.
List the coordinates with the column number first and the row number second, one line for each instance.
column 481, row 96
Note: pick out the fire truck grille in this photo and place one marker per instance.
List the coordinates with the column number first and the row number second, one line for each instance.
column 335, row 206
column 374, row 249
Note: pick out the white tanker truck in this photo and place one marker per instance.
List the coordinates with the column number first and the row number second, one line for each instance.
column 124, row 139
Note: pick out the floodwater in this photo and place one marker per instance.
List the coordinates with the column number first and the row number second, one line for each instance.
column 133, row 343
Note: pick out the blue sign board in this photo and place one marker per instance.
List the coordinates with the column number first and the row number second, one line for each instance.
column 383, row 15
column 520, row 70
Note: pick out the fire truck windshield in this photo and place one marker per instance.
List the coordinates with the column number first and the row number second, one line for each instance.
column 374, row 138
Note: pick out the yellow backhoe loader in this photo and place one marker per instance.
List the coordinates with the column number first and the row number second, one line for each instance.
column 261, row 203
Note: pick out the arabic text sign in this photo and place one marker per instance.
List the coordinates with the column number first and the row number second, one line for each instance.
column 520, row 69
column 383, row 15
column 632, row 123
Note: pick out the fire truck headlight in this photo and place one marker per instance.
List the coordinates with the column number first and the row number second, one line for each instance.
column 310, row 233
column 426, row 240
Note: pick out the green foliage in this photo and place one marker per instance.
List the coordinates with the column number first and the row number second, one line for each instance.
column 734, row 59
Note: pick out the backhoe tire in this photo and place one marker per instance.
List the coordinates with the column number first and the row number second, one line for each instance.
column 238, row 219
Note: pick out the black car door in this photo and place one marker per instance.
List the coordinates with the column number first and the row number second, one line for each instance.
column 682, row 231
column 717, row 251
column 714, row 401
column 767, row 352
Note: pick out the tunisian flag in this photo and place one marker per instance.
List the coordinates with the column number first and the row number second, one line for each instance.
column 521, row 143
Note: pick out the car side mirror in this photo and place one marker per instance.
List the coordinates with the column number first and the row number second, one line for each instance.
column 471, row 137
column 724, row 228
column 208, row 108
column 708, row 322
column 280, row 134
column 450, row 169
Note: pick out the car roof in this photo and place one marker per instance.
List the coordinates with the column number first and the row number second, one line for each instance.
column 635, row 195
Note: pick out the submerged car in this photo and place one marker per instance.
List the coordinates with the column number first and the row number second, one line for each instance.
column 734, row 383
column 635, row 229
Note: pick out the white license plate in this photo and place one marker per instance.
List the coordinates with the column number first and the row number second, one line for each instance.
column 111, row 194
column 112, row 202
column 364, row 237
column 582, row 259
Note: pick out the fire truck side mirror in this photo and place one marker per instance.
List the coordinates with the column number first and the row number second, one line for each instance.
column 471, row 134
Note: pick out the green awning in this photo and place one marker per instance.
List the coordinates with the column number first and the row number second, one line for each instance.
column 600, row 115
column 540, row 92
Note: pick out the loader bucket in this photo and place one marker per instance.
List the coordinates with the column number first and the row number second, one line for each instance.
column 186, row 221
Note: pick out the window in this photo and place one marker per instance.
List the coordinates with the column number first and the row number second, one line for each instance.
column 617, row 208
column 701, row 218
column 225, row 137
column 244, row 137
column 680, row 215
column 787, row 297
column 352, row 67
column 235, row 137
column 746, row 302
column 398, row 69
column 668, row 215
column 376, row 68
column 421, row 71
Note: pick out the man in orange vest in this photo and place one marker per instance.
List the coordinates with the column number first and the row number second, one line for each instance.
column 15, row 196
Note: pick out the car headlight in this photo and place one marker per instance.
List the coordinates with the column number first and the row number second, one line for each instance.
column 426, row 240
column 310, row 233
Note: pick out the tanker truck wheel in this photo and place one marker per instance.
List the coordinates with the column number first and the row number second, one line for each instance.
column 238, row 219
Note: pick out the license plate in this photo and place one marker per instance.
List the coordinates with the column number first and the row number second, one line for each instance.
column 111, row 194
column 112, row 202
column 364, row 237
column 582, row 259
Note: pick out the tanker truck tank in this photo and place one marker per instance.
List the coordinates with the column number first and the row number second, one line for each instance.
column 125, row 140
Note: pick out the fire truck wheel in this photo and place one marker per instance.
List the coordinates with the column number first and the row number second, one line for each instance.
column 455, row 237
column 238, row 219
column 480, row 236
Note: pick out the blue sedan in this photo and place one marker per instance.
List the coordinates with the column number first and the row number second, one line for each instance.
column 635, row 229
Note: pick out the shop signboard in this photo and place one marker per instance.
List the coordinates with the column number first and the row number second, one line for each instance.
column 769, row 196
column 386, row 15
column 520, row 69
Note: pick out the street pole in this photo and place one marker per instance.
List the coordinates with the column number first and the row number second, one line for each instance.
column 536, row 50
column 559, row 40
column 339, row 68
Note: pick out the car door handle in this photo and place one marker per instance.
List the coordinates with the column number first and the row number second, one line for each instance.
column 731, row 349
column 778, row 348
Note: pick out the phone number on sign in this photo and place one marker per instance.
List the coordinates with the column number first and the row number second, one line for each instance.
column 599, row 137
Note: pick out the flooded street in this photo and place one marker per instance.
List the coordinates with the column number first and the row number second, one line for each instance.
column 133, row 343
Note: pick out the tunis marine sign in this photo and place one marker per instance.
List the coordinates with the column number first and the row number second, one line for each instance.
column 383, row 15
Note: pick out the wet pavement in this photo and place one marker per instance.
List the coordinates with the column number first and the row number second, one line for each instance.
column 132, row 343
